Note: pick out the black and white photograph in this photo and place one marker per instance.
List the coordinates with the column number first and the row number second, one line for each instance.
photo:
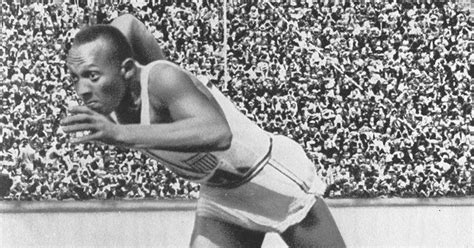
column 237, row 123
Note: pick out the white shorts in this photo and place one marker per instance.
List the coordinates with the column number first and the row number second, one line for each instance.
column 279, row 196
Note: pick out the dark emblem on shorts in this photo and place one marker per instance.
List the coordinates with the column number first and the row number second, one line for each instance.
column 202, row 162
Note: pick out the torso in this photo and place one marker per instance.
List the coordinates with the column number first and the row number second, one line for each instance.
column 249, row 147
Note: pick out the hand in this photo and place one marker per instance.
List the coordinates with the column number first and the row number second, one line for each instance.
column 100, row 128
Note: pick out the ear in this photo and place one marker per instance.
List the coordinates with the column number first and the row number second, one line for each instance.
column 128, row 69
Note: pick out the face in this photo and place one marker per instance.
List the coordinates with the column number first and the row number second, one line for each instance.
column 97, row 79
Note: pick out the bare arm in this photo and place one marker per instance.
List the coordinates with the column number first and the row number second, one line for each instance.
column 197, row 124
column 144, row 45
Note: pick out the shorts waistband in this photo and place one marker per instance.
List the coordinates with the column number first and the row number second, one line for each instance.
column 288, row 173
column 225, row 179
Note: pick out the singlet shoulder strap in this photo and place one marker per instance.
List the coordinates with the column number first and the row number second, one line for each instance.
column 145, row 100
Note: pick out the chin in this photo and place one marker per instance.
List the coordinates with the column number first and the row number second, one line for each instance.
column 107, row 111
column 101, row 111
column 104, row 112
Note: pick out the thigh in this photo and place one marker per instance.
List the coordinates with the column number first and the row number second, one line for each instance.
column 210, row 232
column 318, row 229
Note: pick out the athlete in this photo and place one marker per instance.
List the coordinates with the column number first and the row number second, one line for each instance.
column 252, row 182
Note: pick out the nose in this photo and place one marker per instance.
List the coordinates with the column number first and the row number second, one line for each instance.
column 83, row 89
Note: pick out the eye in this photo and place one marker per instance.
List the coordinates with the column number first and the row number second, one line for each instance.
column 93, row 76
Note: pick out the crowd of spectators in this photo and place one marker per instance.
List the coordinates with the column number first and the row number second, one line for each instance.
column 377, row 94
column 36, row 160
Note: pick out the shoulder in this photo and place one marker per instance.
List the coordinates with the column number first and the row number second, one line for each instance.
column 163, row 73
column 167, row 79
column 163, row 69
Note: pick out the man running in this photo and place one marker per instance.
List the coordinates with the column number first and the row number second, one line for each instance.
column 252, row 182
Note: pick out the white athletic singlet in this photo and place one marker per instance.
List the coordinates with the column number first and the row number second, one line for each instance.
column 248, row 152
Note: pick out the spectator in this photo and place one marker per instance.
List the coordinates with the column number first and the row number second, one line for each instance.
column 377, row 94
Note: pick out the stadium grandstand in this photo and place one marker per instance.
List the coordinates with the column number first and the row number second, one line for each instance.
column 377, row 92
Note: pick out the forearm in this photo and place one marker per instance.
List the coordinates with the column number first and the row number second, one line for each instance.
column 184, row 135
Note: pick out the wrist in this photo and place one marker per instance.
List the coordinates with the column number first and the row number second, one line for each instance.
column 119, row 134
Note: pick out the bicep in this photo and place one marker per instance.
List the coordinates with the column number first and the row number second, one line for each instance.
column 182, row 98
column 193, row 104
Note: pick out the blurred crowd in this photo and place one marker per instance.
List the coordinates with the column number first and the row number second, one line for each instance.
column 379, row 95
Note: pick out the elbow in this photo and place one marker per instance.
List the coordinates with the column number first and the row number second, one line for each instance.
column 126, row 24
column 226, row 141
column 223, row 140
column 126, row 20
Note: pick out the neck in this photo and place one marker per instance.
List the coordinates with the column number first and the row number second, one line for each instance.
column 134, row 85
column 131, row 100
